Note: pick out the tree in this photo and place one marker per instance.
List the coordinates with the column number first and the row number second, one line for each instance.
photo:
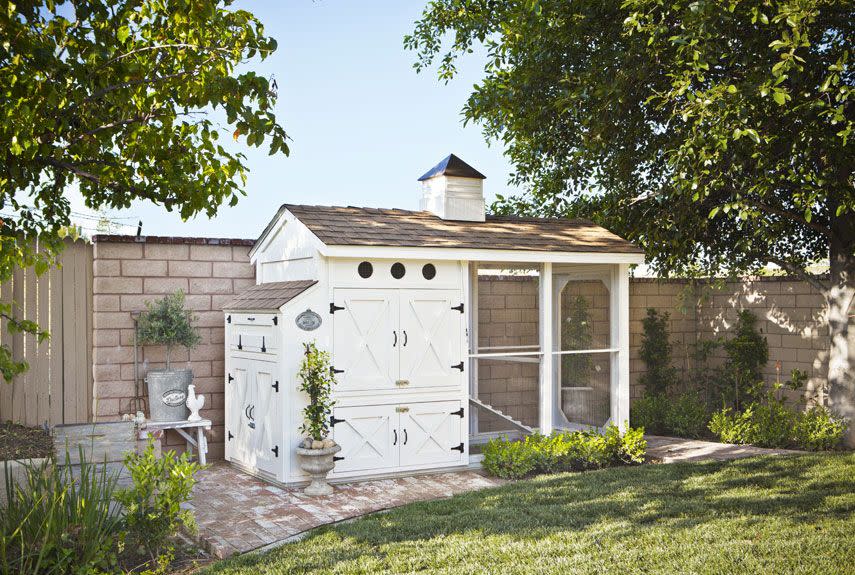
column 717, row 135
column 117, row 98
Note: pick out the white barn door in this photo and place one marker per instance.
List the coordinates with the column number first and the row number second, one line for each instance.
column 431, row 333
column 267, row 417
column 237, row 416
column 366, row 339
column 368, row 437
column 431, row 433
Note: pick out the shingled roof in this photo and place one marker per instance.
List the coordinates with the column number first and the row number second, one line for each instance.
column 268, row 296
column 384, row 227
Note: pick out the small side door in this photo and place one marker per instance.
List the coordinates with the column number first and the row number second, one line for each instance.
column 239, row 432
column 431, row 433
column 431, row 332
column 266, row 413
column 365, row 339
column 368, row 437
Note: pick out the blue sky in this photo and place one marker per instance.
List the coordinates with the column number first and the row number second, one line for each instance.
column 364, row 125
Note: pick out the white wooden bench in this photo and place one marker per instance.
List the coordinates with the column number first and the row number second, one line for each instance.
column 155, row 429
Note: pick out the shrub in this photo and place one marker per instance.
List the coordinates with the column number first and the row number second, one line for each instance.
column 685, row 415
column 166, row 322
column 54, row 523
column 817, row 430
column 564, row 451
column 649, row 413
column 655, row 352
column 317, row 379
column 747, row 355
column 152, row 504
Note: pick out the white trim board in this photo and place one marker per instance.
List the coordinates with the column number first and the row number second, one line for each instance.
column 484, row 255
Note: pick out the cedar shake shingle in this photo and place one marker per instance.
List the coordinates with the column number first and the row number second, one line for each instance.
column 268, row 296
column 386, row 227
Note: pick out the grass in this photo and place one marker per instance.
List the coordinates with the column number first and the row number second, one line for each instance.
column 785, row 514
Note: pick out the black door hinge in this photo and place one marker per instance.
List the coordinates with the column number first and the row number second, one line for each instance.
column 263, row 346
column 231, row 436
column 275, row 451
column 458, row 412
column 334, row 420
column 334, row 371
column 231, row 378
column 458, row 308
column 458, row 448
column 275, row 320
column 458, row 366
column 276, row 387
column 334, row 308
column 240, row 342
column 229, row 319
column 337, row 458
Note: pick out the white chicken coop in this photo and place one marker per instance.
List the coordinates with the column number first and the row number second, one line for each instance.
column 446, row 327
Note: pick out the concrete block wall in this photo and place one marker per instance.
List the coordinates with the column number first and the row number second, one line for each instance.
column 130, row 271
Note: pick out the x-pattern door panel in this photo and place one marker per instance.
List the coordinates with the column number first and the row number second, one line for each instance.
column 367, row 436
column 265, row 416
column 238, row 413
column 366, row 339
column 431, row 332
column 430, row 432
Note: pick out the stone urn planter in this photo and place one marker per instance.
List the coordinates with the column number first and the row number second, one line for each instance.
column 318, row 463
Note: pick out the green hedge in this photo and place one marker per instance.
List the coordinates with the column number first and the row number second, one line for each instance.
column 564, row 451
column 775, row 424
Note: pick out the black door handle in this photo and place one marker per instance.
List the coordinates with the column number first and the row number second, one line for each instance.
column 395, row 341
column 405, row 338
column 405, row 436
column 240, row 342
column 246, row 412
column 395, row 437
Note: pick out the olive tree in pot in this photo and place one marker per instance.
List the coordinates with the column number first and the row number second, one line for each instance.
column 317, row 451
column 166, row 322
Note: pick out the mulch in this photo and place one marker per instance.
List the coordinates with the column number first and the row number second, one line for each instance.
column 21, row 442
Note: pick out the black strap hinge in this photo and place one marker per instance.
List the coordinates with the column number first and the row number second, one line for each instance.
column 229, row 319
column 334, row 371
column 275, row 451
column 337, row 458
column 231, row 378
column 458, row 448
column 275, row 320
column 334, row 308
column 458, row 366
column 240, row 342
column 458, row 308
column 276, row 387
column 458, row 412
column 334, row 420
column 263, row 346
column 231, row 436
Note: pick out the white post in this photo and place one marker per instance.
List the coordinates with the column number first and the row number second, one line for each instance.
column 620, row 340
column 471, row 283
column 546, row 375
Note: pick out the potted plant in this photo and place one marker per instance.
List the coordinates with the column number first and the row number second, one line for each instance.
column 316, row 451
column 166, row 322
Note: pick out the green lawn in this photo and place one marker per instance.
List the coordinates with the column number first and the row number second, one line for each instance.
column 762, row 515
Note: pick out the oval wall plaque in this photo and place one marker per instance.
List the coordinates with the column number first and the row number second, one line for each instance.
column 308, row 320
column 174, row 397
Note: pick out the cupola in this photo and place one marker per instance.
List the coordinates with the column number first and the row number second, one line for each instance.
column 454, row 190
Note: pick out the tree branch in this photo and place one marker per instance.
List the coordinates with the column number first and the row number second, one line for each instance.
column 767, row 209
column 797, row 271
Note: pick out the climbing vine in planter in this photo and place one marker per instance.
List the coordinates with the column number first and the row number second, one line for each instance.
column 317, row 381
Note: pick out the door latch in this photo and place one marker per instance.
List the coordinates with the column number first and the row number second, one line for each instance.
column 402, row 382
column 402, row 409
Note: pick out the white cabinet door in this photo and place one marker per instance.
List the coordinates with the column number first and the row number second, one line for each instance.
column 368, row 437
column 431, row 433
column 239, row 392
column 266, row 414
column 431, row 333
column 366, row 339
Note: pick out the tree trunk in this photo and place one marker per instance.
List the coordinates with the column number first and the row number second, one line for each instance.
column 840, row 298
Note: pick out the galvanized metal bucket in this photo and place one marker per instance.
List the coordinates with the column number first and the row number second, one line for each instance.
column 167, row 394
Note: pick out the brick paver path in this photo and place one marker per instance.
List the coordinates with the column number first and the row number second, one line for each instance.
column 237, row 512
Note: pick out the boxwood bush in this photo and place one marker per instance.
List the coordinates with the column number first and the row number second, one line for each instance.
column 564, row 451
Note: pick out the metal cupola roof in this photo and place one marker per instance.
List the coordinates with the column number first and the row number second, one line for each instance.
column 453, row 166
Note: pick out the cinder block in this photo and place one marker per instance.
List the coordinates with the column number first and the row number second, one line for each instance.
column 143, row 268
column 241, row 253
column 110, row 355
column 105, row 303
column 198, row 302
column 106, row 408
column 218, row 301
column 116, row 250
column 111, row 320
column 107, row 372
column 233, row 270
column 107, row 268
column 106, row 337
column 165, row 285
column 241, row 284
column 167, row 251
column 119, row 389
column 210, row 286
column 107, row 285
column 211, row 253
column 520, row 301
column 190, row 269
column 209, row 319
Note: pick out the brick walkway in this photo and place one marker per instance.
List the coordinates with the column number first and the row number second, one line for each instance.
column 237, row 512
column 675, row 449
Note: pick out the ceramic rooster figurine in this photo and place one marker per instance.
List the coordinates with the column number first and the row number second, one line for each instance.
column 194, row 403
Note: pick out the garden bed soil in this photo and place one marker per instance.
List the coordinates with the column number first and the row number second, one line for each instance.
column 21, row 442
